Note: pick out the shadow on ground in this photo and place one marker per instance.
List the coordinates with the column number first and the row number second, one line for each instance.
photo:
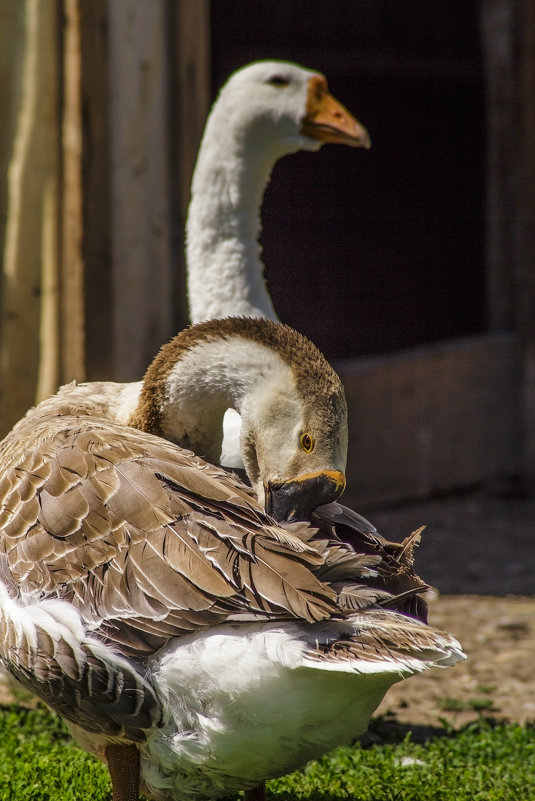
column 479, row 542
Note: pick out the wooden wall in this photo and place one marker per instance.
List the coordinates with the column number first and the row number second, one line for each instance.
column 508, row 30
column 30, row 170
column 103, row 104
column 145, row 93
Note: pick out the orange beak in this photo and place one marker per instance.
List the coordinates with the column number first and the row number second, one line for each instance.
column 327, row 120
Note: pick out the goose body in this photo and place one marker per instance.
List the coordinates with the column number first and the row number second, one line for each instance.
column 185, row 636
column 192, row 625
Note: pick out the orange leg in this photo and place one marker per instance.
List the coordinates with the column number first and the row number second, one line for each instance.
column 123, row 765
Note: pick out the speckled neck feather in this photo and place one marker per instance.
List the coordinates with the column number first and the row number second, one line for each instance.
column 315, row 378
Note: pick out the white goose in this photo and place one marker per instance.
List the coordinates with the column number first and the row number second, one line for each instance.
column 190, row 641
column 266, row 110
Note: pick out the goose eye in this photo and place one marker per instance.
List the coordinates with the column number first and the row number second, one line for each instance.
column 278, row 80
column 307, row 442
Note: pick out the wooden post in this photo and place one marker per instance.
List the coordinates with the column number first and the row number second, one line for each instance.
column 140, row 195
column 525, row 229
column 509, row 42
column 72, row 265
column 30, row 148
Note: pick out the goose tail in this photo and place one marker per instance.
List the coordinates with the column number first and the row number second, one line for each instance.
column 383, row 641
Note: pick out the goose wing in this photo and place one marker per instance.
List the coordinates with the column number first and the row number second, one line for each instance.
column 395, row 583
column 114, row 541
column 146, row 540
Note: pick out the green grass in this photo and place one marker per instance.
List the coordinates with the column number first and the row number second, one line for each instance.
column 478, row 763
column 474, row 704
column 38, row 760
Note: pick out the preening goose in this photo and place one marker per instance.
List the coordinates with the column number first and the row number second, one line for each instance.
column 189, row 640
column 292, row 404
column 266, row 110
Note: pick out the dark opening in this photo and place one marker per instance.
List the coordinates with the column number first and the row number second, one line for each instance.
column 371, row 251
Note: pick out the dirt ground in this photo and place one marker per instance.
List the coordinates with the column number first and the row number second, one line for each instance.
column 478, row 553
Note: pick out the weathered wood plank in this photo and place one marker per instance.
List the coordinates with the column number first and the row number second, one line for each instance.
column 191, row 93
column 524, row 277
column 430, row 420
column 30, row 289
column 509, row 44
column 141, row 229
column 96, row 168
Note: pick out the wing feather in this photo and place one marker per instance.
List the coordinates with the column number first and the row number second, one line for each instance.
column 144, row 537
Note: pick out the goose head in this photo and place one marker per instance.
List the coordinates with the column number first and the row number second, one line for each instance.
column 277, row 107
column 291, row 402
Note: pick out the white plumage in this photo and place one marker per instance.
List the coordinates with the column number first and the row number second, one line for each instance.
column 258, row 719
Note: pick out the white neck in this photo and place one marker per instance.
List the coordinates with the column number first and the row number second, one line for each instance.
column 225, row 270
column 265, row 111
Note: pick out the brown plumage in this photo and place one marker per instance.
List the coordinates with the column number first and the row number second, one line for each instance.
column 147, row 597
column 395, row 573
column 318, row 384
column 147, row 543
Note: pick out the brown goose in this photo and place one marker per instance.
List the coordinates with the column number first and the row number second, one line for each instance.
column 292, row 403
column 188, row 639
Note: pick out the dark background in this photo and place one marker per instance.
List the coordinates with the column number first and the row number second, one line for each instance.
column 396, row 257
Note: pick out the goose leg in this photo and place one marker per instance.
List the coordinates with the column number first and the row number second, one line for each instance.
column 256, row 794
column 123, row 765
